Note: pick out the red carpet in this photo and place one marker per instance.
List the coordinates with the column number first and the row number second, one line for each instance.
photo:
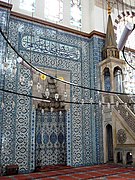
column 103, row 172
column 53, row 168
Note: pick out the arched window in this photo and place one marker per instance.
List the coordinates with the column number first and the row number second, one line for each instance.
column 119, row 157
column 109, row 142
column 118, row 79
column 129, row 158
column 76, row 13
column 54, row 10
column 28, row 5
column 107, row 79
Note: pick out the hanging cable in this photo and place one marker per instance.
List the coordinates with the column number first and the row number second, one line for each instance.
column 39, row 71
column 123, row 52
column 48, row 101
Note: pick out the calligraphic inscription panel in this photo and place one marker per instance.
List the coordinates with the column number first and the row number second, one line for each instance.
column 49, row 47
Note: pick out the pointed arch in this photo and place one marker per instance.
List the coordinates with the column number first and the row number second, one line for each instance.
column 107, row 83
column 109, row 142
column 117, row 73
column 129, row 158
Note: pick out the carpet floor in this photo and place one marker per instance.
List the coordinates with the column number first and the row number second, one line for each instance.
column 99, row 172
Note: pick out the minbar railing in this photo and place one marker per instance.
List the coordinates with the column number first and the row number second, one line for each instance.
column 124, row 105
column 126, row 113
column 129, row 100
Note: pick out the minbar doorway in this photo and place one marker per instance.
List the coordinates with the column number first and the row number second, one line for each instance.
column 109, row 139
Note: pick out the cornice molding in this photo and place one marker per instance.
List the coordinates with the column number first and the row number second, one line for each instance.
column 46, row 23
column 5, row 5
column 50, row 24
column 96, row 33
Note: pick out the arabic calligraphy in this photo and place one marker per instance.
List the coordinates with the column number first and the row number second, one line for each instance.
column 41, row 45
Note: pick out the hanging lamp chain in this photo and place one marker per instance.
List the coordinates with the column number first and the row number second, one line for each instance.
column 109, row 7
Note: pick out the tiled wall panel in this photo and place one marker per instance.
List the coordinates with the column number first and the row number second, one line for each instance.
column 52, row 48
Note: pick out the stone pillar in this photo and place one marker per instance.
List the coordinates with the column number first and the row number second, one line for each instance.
column 124, row 158
column 102, row 83
column 112, row 80
column 115, row 157
column 102, row 80
column 133, row 156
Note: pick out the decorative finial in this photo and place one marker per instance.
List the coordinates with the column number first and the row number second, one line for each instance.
column 109, row 7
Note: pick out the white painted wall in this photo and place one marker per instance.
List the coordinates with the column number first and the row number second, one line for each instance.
column 90, row 21
column 93, row 17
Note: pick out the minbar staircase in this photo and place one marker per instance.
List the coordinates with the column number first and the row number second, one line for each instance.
column 123, row 124
column 129, row 100
column 125, row 112
column 126, row 109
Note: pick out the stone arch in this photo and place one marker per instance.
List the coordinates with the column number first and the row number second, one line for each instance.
column 117, row 67
column 107, row 81
column 109, row 142
column 119, row 157
column 129, row 158
column 118, row 79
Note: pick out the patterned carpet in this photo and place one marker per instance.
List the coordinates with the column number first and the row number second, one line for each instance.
column 99, row 172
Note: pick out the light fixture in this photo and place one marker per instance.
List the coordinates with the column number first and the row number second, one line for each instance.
column 51, row 109
column 60, row 113
column 82, row 102
column 42, row 111
column 108, row 105
column 100, row 103
column 91, row 100
column 61, row 78
column 125, row 105
column 47, row 93
column 43, row 77
column 39, row 87
column 19, row 59
column 65, row 95
column 117, row 103
column 56, row 96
